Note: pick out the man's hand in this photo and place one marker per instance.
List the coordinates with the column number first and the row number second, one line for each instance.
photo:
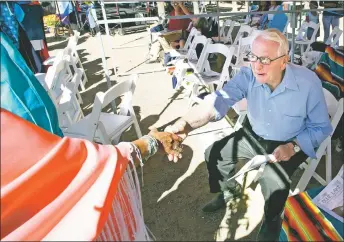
column 283, row 153
column 170, row 142
column 179, row 128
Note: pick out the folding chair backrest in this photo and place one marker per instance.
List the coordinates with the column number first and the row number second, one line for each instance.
column 225, row 75
column 102, row 99
column 190, row 38
column 334, row 37
column 55, row 75
column 334, row 107
column 302, row 31
column 227, row 36
column 213, row 49
column 315, row 28
column 198, row 40
column 244, row 31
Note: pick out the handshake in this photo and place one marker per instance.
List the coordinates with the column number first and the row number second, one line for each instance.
column 171, row 139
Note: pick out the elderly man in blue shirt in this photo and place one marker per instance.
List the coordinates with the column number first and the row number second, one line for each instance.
column 287, row 117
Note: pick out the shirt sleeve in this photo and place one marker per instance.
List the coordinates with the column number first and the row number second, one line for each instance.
column 232, row 92
column 318, row 126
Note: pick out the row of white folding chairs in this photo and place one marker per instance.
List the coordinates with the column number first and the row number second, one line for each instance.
column 101, row 127
column 62, row 88
column 74, row 58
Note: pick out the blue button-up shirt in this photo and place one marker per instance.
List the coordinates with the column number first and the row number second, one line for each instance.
column 295, row 109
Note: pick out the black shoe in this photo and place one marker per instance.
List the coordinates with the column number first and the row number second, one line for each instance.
column 221, row 199
column 215, row 204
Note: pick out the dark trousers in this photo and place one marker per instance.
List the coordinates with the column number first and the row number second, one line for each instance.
column 222, row 156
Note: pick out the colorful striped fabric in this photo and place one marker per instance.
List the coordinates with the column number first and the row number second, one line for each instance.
column 303, row 221
column 331, row 71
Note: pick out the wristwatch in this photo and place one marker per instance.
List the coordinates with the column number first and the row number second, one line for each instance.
column 296, row 147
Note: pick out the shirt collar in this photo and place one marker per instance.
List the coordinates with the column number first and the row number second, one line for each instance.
column 288, row 80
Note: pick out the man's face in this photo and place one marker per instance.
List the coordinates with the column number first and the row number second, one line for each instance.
column 267, row 73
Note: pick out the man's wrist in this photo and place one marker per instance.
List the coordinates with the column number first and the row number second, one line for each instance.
column 291, row 147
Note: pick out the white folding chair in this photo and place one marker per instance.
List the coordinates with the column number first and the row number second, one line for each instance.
column 193, row 32
column 226, row 37
column 243, row 31
column 207, row 77
column 334, row 37
column 302, row 39
column 106, row 128
column 181, row 66
column 335, row 109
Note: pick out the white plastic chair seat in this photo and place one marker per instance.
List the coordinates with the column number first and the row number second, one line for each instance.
column 108, row 119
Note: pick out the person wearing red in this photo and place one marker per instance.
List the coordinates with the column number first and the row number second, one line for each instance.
column 59, row 189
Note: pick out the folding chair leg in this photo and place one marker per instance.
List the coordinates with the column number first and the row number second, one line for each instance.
column 137, row 128
column 306, row 176
column 328, row 163
column 79, row 97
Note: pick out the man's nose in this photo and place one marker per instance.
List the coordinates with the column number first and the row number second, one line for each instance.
column 258, row 65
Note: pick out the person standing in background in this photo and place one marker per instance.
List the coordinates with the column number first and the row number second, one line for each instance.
column 330, row 17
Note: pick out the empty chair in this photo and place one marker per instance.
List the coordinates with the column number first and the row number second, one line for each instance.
column 106, row 128
column 301, row 38
column 334, row 37
column 192, row 58
column 226, row 36
column 206, row 76
column 244, row 31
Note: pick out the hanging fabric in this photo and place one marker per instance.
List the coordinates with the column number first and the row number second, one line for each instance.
column 21, row 93
column 8, row 22
column 32, row 59
column 30, row 18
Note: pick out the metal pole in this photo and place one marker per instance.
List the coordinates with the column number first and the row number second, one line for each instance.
column 104, row 17
column 76, row 14
column 293, row 23
column 105, row 68
column 218, row 20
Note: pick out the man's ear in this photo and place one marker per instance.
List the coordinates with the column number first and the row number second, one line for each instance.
column 285, row 62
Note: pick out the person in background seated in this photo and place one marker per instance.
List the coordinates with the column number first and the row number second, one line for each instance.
column 287, row 117
column 267, row 18
column 253, row 20
column 330, row 17
column 172, row 41
column 312, row 17
column 58, row 189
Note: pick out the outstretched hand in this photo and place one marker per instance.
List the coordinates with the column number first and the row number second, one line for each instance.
column 169, row 142
column 180, row 129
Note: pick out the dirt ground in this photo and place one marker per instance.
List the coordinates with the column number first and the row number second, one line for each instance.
column 173, row 193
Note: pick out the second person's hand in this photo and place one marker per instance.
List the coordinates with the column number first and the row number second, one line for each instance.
column 179, row 128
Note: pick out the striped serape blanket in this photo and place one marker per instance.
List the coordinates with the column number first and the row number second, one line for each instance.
column 304, row 221
column 330, row 70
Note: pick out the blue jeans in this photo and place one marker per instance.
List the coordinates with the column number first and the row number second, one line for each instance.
column 327, row 21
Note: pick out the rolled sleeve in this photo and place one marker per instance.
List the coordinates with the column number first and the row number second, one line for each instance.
column 232, row 92
column 318, row 126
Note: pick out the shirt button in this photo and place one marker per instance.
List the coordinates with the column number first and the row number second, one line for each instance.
column 268, row 124
column 269, row 110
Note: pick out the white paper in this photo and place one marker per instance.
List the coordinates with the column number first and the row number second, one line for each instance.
column 331, row 197
column 256, row 162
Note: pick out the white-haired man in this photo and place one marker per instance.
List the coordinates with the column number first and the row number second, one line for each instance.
column 287, row 116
